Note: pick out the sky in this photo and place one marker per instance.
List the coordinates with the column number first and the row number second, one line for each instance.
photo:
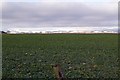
column 58, row 13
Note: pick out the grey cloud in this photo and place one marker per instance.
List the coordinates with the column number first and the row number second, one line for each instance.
column 37, row 14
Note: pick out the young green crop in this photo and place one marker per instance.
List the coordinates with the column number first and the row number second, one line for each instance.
column 80, row 55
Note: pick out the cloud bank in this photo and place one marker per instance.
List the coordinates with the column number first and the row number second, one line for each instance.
column 59, row 14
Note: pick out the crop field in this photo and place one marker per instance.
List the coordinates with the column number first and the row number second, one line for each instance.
column 79, row 55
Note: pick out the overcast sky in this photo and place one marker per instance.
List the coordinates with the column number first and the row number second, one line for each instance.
column 57, row 13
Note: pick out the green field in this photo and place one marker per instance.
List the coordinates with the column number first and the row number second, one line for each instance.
column 80, row 55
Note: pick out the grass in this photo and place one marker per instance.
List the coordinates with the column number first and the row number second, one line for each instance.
column 80, row 55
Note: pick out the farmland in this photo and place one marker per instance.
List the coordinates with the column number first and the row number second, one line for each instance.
column 79, row 55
